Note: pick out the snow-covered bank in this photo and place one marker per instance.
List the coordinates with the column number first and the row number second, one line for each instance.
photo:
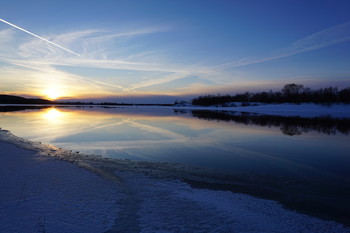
column 46, row 195
column 43, row 192
column 301, row 110
column 173, row 206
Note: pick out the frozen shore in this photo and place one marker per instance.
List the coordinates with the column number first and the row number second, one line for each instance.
column 288, row 110
column 47, row 195
column 47, row 189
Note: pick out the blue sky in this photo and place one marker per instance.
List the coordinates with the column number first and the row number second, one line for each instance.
column 177, row 48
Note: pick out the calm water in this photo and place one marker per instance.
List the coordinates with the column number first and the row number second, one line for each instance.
column 278, row 146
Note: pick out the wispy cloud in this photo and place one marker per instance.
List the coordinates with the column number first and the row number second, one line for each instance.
column 155, row 81
column 50, row 71
column 6, row 35
column 96, row 46
column 34, row 54
column 39, row 37
column 103, row 50
column 334, row 35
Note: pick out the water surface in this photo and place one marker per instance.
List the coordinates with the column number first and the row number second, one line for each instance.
column 297, row 147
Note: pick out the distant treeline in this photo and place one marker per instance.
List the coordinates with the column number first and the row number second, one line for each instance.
column 290, row 93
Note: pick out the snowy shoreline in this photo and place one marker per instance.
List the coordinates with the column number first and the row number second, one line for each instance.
column 128, row 196
column 308, row 110
column 43, row 194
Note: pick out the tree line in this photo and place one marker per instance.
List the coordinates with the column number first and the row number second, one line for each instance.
column 290, row 93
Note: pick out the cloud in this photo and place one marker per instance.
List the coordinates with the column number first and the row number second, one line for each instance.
column 96, row 46
column 6, row 35
column 122, row 52
column 67, row 76
column 334, row 35
column 39, row 37
column 330, row 36
column 97, row 52
column 35, row 55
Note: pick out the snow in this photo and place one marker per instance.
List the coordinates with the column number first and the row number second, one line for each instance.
column 300, row 110
column 173, row 206
column 42, row 192
column 55, row 194
column 308, row 110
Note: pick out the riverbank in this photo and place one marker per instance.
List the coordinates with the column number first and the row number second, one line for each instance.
column 48, row 189
column 310, row 110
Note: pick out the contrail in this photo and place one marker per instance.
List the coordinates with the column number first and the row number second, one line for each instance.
column 59, row 46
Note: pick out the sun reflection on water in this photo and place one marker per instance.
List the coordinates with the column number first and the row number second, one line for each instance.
column 164, row 136
column 52, row 114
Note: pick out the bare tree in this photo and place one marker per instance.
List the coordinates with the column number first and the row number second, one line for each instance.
column 292, row 89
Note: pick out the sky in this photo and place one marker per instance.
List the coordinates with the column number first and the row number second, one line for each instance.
column 116, row 49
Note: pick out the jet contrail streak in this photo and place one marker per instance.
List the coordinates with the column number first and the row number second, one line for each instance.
column 59, row 46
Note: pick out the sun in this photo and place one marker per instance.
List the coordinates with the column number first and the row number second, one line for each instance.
column 53, row 93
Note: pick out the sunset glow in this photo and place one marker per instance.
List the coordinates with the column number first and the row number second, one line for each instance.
column 176, row 49
column 175, row 115
column 53, row 93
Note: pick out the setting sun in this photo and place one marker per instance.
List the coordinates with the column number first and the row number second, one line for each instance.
column 53, row 93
